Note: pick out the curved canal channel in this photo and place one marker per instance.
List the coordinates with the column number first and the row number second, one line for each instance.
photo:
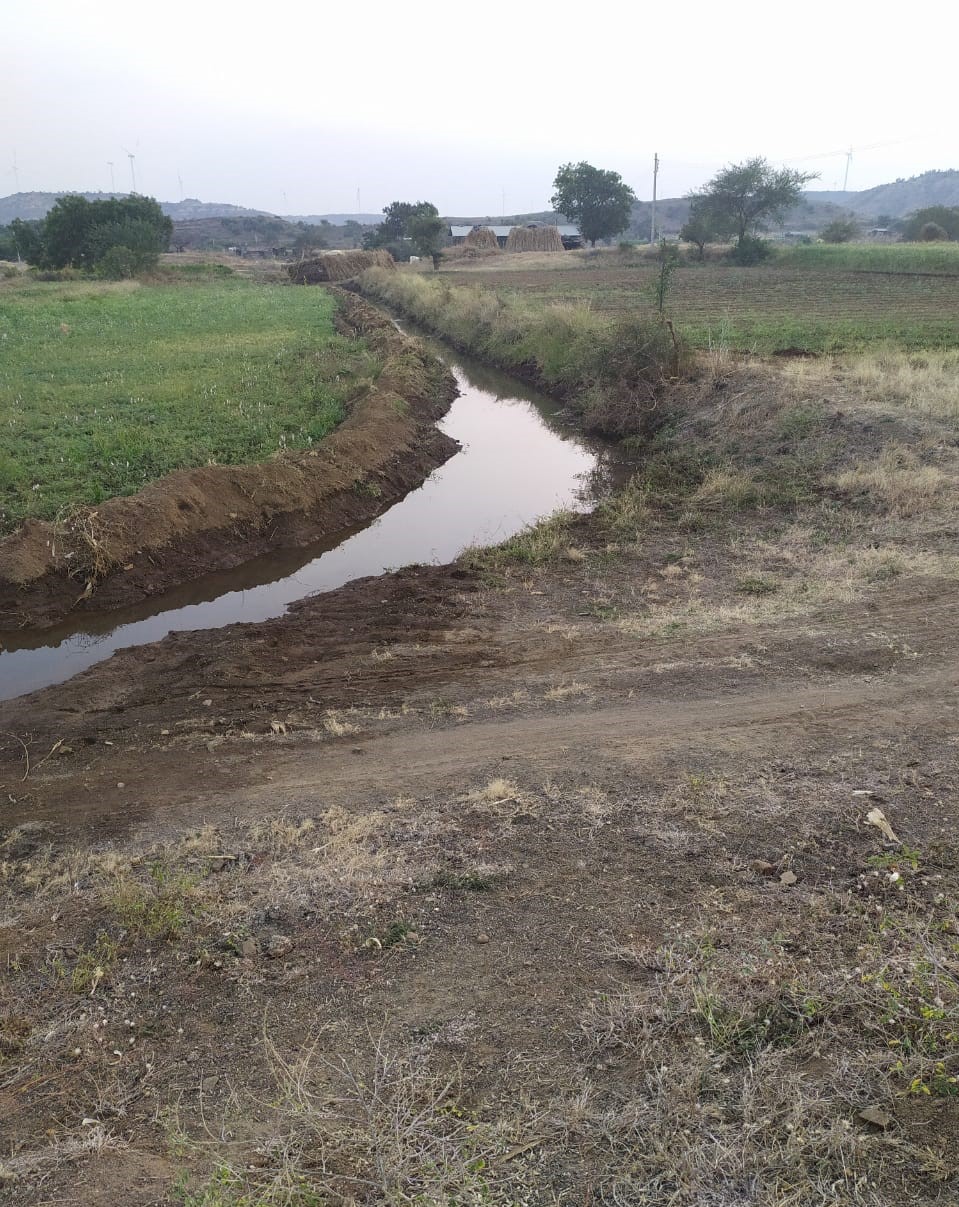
column 516, row 465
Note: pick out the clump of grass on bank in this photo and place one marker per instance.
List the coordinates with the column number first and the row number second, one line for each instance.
column 536, row 545
column 105, row 387
column 612, row 371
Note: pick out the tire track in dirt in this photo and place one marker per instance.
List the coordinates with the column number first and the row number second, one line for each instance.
column 184, row 788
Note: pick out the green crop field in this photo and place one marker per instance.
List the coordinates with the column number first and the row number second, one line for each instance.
column 874, row 257
column 104, row 387
column 766, row 309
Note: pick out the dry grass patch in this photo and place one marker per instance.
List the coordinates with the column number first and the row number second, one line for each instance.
column 897, row 480
column 786, row 576
column 337, row 727
column 566, row 691
column 923, row 382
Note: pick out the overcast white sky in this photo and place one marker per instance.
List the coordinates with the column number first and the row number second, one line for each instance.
column 294, row 107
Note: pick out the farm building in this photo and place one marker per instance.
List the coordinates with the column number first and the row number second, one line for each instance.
column 569, row 234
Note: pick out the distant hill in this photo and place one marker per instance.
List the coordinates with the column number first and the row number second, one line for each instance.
column 899, row 198
column 31, row 206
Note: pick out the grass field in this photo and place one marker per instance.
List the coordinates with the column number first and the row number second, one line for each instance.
column 874, row 257
column 809, row 301
column 104, row 387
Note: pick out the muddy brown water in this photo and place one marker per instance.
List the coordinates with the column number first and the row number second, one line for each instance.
column 517, row 464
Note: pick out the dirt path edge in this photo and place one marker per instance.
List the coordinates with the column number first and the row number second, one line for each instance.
column 217, row 517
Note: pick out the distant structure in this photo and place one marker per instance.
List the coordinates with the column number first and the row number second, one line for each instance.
column 569, row 235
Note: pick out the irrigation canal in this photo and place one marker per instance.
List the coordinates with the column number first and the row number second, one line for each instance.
column 517, row 464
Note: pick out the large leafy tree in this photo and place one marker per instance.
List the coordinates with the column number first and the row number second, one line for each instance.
column 743, row 198
column 598, row 201
column 400, row 219
column 76, row 233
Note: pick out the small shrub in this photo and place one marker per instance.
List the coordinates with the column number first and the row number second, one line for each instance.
column 118, row 264
column 749, row 250
column 840, row 230
column 158, row 910
column 93, row 965
column 754, row 584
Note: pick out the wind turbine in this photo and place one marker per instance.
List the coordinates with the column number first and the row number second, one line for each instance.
column 848, row 152
column 133, row 176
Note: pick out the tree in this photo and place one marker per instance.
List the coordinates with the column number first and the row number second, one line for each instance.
column 78, row 233
column 598, row 201
column 27, row 240
column 395, row 228
column 840, row 230
column 744, row 197
column 353, row 232
column 310, row 238
column 700, row 228
column 944, row 216
column 426, row 234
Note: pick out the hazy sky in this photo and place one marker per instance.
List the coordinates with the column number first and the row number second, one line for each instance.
column 295, row 107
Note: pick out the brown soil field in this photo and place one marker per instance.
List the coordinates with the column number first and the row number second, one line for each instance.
column 617, row 866
column 216, row 517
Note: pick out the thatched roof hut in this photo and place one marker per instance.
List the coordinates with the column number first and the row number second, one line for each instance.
column 482, row 238
column 534, row 238
column 338, row 266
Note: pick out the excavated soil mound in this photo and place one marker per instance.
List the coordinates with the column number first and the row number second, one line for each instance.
column 216, row 517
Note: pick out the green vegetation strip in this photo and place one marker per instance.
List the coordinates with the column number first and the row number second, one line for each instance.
column 104, row 387
column 609, row 370
column 874, row 257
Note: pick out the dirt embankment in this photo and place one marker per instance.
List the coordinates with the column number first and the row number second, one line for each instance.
column 216, row 517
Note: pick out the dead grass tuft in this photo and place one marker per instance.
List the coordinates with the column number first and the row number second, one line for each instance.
column 897, row 480
column 890, row 379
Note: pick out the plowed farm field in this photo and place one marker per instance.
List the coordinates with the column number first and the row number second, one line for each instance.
column 762, row 309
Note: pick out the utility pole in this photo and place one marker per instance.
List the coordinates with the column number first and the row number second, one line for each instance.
column 113, row 187
column 652, row 219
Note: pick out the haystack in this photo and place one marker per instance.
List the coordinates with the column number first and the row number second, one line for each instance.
column 482, row 238
column 338, row 266
column 534, row 238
